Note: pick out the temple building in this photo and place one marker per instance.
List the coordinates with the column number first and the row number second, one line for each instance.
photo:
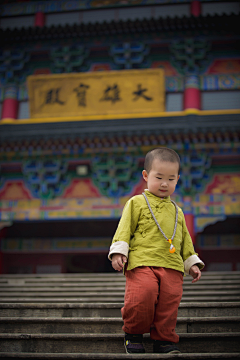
column 87, row 88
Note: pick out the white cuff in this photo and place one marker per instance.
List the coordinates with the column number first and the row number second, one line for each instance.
column 119, row 247
column 192, row 260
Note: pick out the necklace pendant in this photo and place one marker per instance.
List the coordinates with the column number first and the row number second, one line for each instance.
column 172, row 249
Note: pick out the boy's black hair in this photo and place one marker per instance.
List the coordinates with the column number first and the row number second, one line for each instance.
column 163, row 154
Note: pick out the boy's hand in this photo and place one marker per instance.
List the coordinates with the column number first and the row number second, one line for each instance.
column 195, row 273
column 118, row 261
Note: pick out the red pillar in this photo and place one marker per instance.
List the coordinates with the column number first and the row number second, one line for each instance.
column 2, row 234
column 10, row 103
column 39, row 19
column 196, row 8
column 189, row 218
column 1, row 260
column 192, row 94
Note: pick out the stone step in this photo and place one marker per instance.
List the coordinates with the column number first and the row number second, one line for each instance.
column 120, row 281
column 100, row 299
column 112, row 300
column 198, row 309
column 75, row 325
column 116, row 280
column 109, row 288
column 108, row 294
column 113, row 343
column 113, row 274
column 106, row 356
column 17, row 283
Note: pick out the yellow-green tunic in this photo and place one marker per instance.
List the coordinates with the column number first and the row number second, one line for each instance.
column 139, row 239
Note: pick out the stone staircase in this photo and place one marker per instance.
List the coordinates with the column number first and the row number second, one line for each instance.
column 77, row 316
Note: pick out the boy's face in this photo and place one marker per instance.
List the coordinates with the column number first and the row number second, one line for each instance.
column 162, row 178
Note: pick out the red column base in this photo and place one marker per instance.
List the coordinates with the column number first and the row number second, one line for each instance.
column 1, row 261
column 192, row 99
column 189, row 218
column 2, row 234
column 39, row 19
column 196, row 8
column 10, row 109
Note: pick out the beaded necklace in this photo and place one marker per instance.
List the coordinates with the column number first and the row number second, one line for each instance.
column 172, row 247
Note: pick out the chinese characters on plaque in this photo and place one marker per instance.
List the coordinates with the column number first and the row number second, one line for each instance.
column 98, row 93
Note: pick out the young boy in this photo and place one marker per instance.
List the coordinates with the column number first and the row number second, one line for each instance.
column 155, row 256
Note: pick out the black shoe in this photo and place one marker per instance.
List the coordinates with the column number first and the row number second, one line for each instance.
column 165, row 347
column 133, row 344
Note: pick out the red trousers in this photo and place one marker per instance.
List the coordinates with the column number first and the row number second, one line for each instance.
column 152, row 297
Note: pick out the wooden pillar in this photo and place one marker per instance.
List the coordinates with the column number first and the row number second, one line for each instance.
column 192, row 94
column 10, row 103
column 39, row 19
column 196, row 8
